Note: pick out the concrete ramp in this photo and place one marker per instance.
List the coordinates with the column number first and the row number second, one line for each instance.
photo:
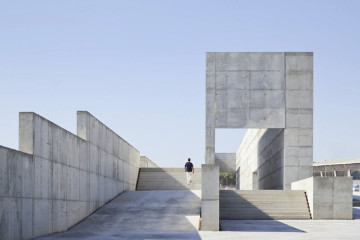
column 142, row 215
column 263, row 205
column 167, row 179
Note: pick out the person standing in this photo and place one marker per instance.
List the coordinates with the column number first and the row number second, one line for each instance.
column 189, row 169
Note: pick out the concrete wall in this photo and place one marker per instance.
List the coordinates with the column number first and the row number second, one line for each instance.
column 247, row 158
column 271, row 159
column 329, row 197
column 145, row 162
column 226, row 162
column 264, row 90
column 250, row 90
column 16, row 194
column 260, row 159
column 298, row 134
column 65, row 177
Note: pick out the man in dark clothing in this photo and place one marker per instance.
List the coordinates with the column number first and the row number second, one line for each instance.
column 189, row 169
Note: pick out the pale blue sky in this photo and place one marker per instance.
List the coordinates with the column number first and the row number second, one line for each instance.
column 139, row 66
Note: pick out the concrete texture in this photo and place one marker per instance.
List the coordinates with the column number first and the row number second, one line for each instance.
column 58, row 178
column 226, row 162
column 145, row 162
column 268, row 90
column 142, row 215
column 260, row 159
column 328, row 197
column 210, row 197
column 264, row 90
column 167, row 179
column 263, row 205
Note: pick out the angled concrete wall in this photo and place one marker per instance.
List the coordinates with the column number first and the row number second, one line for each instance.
column 16, row 194
column 260, row 159
column 145, row 162
column 61, row 178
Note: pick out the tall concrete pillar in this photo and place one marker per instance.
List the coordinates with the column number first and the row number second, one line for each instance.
column 210, row 197
column 210, row 109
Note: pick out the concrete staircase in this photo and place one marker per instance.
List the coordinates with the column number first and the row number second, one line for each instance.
column 263, row 205
column 167, row 179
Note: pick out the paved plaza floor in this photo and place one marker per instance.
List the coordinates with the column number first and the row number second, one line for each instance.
column 176, row 214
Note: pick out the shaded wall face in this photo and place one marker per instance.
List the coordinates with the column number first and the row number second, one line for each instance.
column 271, row 159
column 226, row 162
column 62, row 178
column 247, row 158
column 260, row 159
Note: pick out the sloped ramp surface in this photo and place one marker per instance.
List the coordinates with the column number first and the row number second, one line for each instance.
column 167, row 179
column 142, row 215
column 263, row 205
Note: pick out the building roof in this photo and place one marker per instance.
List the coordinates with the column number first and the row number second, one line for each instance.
column 337, row 162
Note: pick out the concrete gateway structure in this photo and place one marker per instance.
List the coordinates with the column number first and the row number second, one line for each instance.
column 270, row 93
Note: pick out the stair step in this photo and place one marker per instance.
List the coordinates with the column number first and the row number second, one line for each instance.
column 263, row 205
column 167, row 179
column 239, row 216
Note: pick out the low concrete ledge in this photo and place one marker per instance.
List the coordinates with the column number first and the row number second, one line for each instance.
column 329, row 197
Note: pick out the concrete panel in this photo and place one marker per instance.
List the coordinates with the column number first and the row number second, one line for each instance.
column 26, row 132
column 42, row 217
column 210, row 187
column 42, row 178
column 84, row 186
column 94, row 190
column 83, row 125
column 230, row 98
column 210, row 215
column 299, row 80
column 60, row 177
column 267, row 99
column 299, row 99
column 234, row 80
column 271, row 118
column 226, row 162
column 249, row 61
column 26, row 218
column 232, row 118
column 267, row 80
column 59, row 215
column 72, row 184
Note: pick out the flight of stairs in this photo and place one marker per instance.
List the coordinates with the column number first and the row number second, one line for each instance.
column 167, row 179
column 263, row 205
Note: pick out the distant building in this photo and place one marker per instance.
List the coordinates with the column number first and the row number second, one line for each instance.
column 337, row 168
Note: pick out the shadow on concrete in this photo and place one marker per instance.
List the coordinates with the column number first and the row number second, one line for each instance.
column 257, row 226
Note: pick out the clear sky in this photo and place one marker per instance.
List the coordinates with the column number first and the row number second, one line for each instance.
column 139, row 67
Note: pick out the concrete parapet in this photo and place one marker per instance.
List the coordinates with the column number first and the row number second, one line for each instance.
column 329, row 197
column 210, row 197
column 57, row 178
column 145, row 162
